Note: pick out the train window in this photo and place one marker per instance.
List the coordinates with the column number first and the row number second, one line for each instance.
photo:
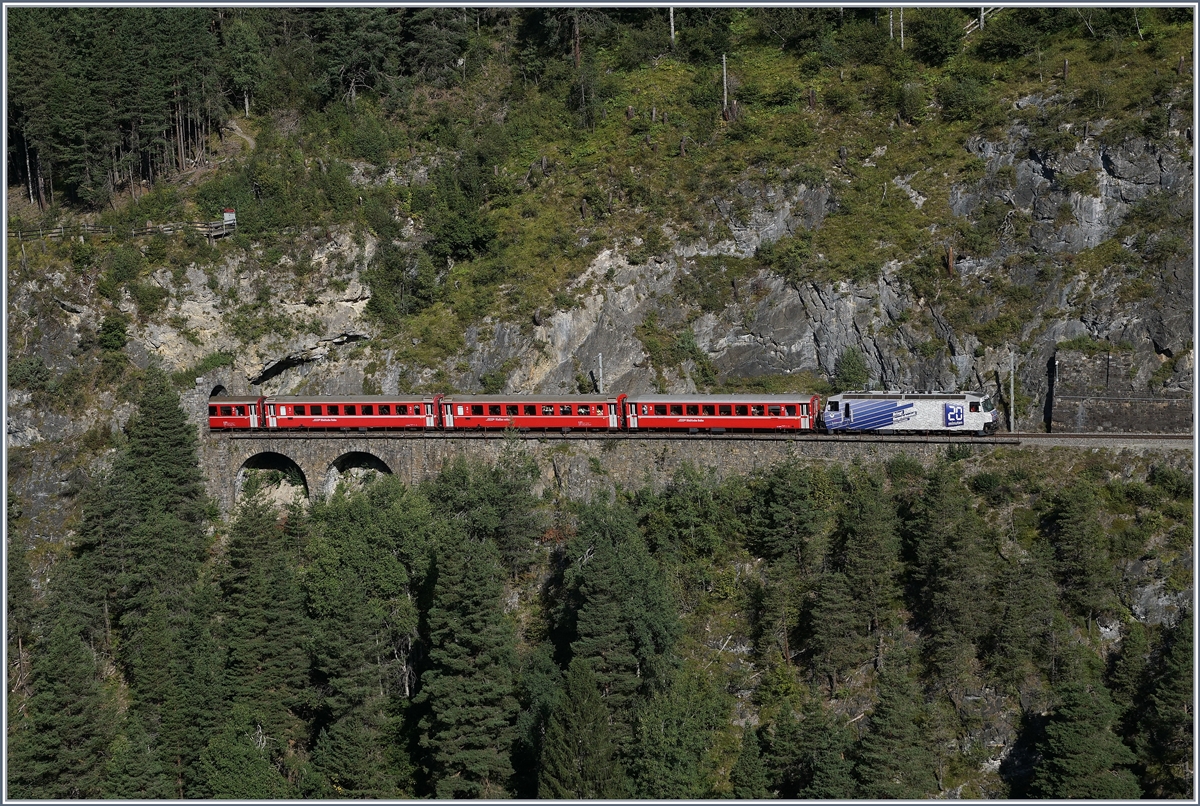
column 368, row 410
column 385, row 409
column 530, row 411
column 316, row 410
column 547, row 411
column 740, row 411
column 774, row 411
column 600, row 408
column 693, row 410
column 707, row 410
column 833, row 405
column 987, row 404
column 511, row 410
column 676, row 409
column 333, row 410
column 725, row 411
column 227, row 411
column 417, row 409
column 350, row 410
column 477, row 409
column 241, row 411
column 493, row 409
column 212, row 411
column 564, row 410
column 645, row 409
column 298, row 411
column 660, row 409
column 974, row 407
column 584, row 411
column 756, row 410
column 791, row 410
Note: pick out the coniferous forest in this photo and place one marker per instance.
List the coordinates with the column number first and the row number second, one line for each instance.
column 465, row 638
column 980, row 626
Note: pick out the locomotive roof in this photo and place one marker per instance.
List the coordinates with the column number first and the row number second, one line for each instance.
column 796, row 398
column 896, row 395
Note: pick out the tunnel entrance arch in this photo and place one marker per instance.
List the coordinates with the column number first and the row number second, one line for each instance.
column 353, row 468
column 219, row 391
column 271, row 473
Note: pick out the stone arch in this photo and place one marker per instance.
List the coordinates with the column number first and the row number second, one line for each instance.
column 292, row 474
column 218, row 391
column 351, row 466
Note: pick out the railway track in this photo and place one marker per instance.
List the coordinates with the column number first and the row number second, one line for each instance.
column 995, row 439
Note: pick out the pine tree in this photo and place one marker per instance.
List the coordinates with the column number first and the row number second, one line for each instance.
column 468, row 688
column 579, row 754
column 894, row 758
column 1081, row 757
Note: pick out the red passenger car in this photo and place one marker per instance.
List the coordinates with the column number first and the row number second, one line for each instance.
column 535, row 412
column 358, row 413
column 720, row 413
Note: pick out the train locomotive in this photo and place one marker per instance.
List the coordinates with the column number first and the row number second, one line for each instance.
column 866, row 411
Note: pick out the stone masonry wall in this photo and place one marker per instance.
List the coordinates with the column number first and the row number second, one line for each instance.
column 1093, row 393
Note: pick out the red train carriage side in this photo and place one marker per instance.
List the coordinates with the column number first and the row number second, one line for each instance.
column 719, row 413
column 534, row 412
column 358, row 412
column 299, row 412
column 234, row 413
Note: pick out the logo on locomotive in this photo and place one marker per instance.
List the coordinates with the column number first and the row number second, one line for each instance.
column 955, row 415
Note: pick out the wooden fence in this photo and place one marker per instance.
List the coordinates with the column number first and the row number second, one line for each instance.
column 209, row 229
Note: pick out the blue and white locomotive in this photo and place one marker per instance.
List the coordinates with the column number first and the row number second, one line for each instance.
column 910, row 412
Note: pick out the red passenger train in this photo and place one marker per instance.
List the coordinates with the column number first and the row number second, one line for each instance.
column 686, row 413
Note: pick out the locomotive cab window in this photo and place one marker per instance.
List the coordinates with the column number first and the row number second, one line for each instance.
column 530, row 411
column 725, row 411
column 740, row 411
column 332, row 410
column 660, row 409
column 833, row 405
column 298, row 411
column 316, row 410
column 974, row 406
column 987, row 404
column 227, row 411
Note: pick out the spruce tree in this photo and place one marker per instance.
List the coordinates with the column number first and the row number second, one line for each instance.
column 868, row 550
column 1166, row 735
column 1081, row 757
column 134, row 770
column 750, row 778
column 469, row 689
column 236, row 764
column 579, row 753
column 894, row 758
column 61, row 748
column 673, row 734
column 826, row 772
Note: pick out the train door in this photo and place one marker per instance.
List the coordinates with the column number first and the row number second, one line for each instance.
column 272, row 420
column 254, row 415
